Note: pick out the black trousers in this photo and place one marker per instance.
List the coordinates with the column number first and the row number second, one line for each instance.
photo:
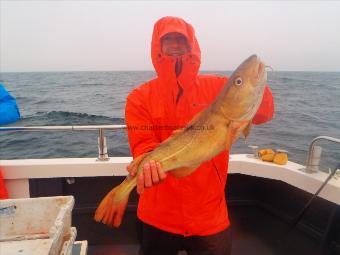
column 154, row 241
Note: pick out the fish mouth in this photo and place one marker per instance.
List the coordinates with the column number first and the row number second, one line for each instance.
column 261, row 77
column 258, row 67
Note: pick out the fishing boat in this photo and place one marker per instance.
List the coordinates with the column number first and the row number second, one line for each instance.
column 273, row 209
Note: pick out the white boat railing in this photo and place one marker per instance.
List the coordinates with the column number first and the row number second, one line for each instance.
column 314, row 153
column 18, row 171
column 312, row 163
column 62, row 128
column 102, row 147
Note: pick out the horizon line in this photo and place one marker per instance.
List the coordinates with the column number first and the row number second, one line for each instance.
column 207, row 70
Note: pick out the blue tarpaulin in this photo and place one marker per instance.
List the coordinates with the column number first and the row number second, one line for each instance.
column 9, row 111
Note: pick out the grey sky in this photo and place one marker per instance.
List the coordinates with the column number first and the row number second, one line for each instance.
column 112, row 35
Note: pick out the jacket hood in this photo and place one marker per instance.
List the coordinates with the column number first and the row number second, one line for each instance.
column 164, row 65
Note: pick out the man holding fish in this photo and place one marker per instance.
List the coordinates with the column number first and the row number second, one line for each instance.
column 185, row 209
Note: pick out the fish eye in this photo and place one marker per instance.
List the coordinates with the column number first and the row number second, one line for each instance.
column 238, row 81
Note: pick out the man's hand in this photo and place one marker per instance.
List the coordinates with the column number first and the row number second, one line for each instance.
column 152, row 173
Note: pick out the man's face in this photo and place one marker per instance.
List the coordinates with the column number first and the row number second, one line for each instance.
column 174, row 44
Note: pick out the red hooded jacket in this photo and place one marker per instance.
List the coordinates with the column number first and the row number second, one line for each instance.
column 195, row 204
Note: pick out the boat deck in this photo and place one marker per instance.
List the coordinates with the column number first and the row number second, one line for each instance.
column 255, row 231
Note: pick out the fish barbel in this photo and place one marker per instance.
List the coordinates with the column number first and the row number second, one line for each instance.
column 210, row 132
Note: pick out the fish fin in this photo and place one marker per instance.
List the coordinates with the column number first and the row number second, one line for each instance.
column 246, row 130
column 229, row 140
column 183, row 171
column 234, row 130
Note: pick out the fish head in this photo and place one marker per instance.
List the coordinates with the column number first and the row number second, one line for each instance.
column 243, row 94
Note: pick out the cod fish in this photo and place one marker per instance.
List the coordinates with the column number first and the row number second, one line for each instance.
column 210, row 132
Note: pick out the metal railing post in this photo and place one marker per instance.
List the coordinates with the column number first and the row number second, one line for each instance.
column 311, row 167
column 102, row 147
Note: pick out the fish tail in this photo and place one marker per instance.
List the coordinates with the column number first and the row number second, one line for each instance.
column 109, row 206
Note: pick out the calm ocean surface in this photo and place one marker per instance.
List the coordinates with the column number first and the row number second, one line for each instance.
column 307, row 105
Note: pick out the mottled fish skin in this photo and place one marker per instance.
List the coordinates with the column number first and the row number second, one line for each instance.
column 212, row 130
